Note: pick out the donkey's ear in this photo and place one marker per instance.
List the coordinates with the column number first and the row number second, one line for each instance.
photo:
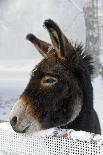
column 60, row 43
column 40, row 45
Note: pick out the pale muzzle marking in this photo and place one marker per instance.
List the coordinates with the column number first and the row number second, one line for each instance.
column 25, row 120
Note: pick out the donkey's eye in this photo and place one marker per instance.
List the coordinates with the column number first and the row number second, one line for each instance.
column 48, row 81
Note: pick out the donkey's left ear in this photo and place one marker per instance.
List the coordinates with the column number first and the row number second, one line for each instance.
column 60, row 43
column 40, row 45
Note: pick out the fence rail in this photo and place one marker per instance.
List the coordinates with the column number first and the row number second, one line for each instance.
column 52, row 141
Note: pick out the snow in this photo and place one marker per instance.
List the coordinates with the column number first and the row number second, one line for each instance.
column 49, row 142
column 81, row 135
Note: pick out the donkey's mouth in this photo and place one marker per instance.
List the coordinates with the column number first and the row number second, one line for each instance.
column 22, row 131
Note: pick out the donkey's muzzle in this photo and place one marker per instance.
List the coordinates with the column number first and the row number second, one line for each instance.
column 21, row 118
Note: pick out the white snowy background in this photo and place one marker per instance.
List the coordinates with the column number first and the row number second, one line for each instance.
column 18, row 57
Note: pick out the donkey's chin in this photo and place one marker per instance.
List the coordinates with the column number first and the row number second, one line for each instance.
column 31, row 128
column 21, row 131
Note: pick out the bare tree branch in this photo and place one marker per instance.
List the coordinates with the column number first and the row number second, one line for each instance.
column 76, row 5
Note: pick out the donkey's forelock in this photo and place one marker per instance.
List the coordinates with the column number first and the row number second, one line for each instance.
column 54, row 95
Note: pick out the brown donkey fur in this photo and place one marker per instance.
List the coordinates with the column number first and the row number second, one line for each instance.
column 59, row 93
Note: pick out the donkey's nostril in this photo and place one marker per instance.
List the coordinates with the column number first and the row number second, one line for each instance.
column 13, row 121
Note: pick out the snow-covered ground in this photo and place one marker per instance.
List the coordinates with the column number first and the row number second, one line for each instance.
column 14, row 76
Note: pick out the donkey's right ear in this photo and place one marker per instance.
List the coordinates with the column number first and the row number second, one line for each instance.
column 40, row 45
column 60, row 42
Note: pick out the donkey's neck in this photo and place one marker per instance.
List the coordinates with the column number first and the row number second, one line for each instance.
column 87, row 90
column 84, row 82
column 86, row 109
column 78, row 123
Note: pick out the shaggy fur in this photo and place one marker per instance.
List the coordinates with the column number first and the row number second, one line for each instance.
column 60, row 88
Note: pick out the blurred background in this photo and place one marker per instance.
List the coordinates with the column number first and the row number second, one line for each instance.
column 81, row 21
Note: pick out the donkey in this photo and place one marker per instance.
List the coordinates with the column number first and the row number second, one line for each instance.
column 59, row 93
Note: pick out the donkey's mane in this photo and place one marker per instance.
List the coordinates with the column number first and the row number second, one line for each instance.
column 87, row 58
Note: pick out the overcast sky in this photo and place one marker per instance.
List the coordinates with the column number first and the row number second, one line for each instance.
column 19, row 17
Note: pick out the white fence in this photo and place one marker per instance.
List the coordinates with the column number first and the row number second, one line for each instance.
column 52, row 141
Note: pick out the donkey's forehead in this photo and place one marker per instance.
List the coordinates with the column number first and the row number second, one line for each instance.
column 52, row 63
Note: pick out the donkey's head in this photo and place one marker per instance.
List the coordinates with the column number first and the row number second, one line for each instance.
column 53, row 96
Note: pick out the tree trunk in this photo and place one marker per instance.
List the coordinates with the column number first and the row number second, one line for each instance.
column 93, row 34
